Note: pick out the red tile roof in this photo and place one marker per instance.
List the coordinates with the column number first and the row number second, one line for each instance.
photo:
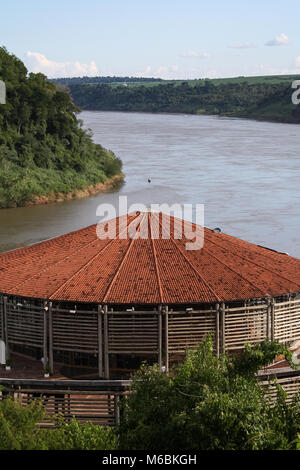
column 81, row 267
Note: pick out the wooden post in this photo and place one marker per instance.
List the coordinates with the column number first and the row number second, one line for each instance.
column 50, row 338
column 106, row 356
column 100, row 353
column 2, row 319
column 117, row 409
column 218, row 330
column 166, row 339
column 272, row 319
column 45, row 352
column 223, row 327
column 159, row 337
column 7, row 351
column 268, row 318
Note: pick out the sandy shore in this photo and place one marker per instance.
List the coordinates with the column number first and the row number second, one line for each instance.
column 91, row 190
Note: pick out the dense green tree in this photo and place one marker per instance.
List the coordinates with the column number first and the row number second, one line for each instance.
column 19, row 430
column 43, row 146
column 209, row 403
column 260, row 100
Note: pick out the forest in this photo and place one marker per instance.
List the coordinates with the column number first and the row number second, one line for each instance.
column 256, row 99
column 43, row 147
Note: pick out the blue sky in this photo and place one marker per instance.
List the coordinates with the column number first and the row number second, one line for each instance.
column 167, row 38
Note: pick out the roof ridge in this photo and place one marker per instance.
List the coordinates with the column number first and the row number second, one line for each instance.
column 87, row 263
column 58, row 262
column 155, row 261
column 253, row 262
column 234, row 271
column 49, row 241
column 194, row 269
column 122, row 261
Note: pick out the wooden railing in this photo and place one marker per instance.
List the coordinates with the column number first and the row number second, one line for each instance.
column 98, row 401
column 87, row 401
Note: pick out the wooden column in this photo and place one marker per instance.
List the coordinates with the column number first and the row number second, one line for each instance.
column 50, row 338
column 272, row 319
column 269, row 308
column 7, row 351
column 45, row 342
column 117, row 409
column 167, row 338
column 2, row 320
column 100, row 345
column 223, row 326
column 218, row 330
column 106, row 355
column 159, row 337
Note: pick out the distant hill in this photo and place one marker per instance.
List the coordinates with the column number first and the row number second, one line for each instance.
column 107, row 80
column 44, row 151
column 262, row 97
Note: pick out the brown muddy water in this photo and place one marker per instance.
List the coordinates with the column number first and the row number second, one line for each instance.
column 246, row 173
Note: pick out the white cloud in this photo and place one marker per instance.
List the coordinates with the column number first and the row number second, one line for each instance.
column 243, row 45
column 166, row 72
column 40, row 63
column 200, row 55
column 281, row 40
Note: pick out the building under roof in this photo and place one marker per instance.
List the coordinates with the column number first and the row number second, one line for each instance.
column 77, row 297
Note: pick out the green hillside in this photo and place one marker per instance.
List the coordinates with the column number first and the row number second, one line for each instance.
column 43, row 148
column 267, row 97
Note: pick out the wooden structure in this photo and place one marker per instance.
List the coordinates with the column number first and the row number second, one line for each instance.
column 111, row 303
column 89, row 401
column 98, row 401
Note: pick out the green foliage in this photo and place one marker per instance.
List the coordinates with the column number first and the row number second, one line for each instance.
column 19, row 430
column 266, row 98
column 76, row 436
column 209, row 403
column 43, row 147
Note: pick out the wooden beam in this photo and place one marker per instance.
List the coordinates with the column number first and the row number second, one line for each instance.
column 223, row 327
column 45, row 342
column 272, row 319
column 100, row 345
column 159, row 337
column 2, row 319
column 50, row 338
column 106, row 349
column 167, row 339
column 218, row 330
column 7, row 351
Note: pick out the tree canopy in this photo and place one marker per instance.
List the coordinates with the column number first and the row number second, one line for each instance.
column 259, row 100
column 210, row 403
column 43, row 146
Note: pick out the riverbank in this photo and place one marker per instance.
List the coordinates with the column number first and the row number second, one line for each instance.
column 270, row 102
column 112, row 183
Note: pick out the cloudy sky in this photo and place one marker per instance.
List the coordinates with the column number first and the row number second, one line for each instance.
column 154, row 38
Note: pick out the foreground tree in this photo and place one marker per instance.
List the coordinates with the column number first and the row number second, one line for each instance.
column 210, row 403
column 19, row 430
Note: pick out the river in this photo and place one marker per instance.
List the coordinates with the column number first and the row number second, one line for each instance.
column 246, row 173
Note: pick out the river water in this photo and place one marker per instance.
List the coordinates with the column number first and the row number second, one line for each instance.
column 246, row 173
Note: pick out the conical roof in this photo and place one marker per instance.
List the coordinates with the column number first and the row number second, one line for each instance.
column 81, row 267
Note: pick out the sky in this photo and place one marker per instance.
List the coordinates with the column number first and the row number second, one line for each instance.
column 171, row 39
